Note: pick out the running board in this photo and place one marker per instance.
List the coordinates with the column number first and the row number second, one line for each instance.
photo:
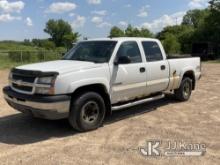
column 116, row 108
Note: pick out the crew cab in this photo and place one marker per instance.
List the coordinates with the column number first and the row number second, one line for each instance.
column 99, row 76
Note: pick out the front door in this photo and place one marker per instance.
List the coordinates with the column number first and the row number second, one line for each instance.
column 128, row 80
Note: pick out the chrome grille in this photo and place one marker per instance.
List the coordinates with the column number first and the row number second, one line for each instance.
column 22, row 87
column 23, row 78
column 23, row 83
column 26, row 82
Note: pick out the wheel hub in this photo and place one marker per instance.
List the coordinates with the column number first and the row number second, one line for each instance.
column 90, row 112
column 186, row 89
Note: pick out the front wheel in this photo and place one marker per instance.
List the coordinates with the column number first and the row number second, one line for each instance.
column 185, row 90
column 87, row 111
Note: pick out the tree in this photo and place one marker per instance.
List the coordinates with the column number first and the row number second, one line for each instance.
column 212, row 22
column 215, row 5
column 44, row 43
column 146, row 33
column 130, row 32
column 60, row 30
column 49, row 45
column 69, row 39
column 182, row 33
column 27, row 42
column 195, row 17
column 171, row 44
column 116, row 32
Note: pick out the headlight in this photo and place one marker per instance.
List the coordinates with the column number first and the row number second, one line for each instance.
column 44, row 90
column 45, row 85
column 45, row 80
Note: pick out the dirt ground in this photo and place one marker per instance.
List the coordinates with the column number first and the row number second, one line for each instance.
column 24, row 140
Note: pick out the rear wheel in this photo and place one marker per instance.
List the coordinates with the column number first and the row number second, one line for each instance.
column 185, row 90
column 87, row 111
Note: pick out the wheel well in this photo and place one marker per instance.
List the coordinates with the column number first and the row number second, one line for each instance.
column 98, row 88
column 190, row 74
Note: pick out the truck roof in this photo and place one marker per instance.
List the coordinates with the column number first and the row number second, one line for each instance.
column 124, row 39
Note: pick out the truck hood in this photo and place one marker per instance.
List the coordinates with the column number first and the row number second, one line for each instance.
column 60, row 66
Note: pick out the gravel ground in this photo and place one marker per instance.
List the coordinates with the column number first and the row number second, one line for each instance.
column 24, row 140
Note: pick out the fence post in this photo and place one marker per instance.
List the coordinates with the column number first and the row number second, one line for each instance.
column 21, row 57
column 44, row 54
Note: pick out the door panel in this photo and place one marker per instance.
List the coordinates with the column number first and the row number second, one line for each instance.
column 157, row 67
column 157, row 76
column 128, row 82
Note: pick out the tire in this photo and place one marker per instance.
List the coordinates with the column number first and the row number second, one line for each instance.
column 87, row 111
column 185, row 90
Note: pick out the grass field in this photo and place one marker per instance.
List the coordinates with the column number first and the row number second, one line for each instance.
column 10, row 54
column 7, row 61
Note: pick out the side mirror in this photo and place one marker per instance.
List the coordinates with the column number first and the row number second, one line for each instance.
column 122, row 60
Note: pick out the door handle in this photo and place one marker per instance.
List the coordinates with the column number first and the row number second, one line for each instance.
column 142, row 69
column 162, row 67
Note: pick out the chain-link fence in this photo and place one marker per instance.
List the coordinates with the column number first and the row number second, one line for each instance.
column 30, row 56
column 11, row 58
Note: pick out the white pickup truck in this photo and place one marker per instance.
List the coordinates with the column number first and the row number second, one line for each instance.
column 99, row 76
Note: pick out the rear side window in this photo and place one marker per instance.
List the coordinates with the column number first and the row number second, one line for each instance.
column 131, row 50
column 152, row 51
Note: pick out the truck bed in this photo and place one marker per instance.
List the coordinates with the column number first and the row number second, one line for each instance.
column 178, row 66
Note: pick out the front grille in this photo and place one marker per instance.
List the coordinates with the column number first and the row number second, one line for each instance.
column 23, row 78
column 22, row 88
column 23, row 81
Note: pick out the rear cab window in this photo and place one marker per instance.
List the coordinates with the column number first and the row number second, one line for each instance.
column 152, row 51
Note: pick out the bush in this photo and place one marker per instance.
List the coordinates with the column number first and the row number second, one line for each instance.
column 22, row 56
column 14, row 56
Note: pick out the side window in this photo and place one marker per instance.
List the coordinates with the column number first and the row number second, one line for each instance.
column 131, row 50
column 152, row 51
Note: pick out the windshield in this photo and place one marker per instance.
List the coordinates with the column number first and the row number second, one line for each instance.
column 92, row 51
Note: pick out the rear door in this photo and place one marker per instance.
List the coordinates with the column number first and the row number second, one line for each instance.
column 157, row 67
column 128, row 80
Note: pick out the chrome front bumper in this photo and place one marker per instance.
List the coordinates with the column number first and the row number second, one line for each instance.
column 48, row 107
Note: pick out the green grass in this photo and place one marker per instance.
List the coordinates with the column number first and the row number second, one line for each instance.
column 15, row 46
column 10, row 54
column 6, row 62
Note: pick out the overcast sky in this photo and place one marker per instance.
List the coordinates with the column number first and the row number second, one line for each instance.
column 20, row 19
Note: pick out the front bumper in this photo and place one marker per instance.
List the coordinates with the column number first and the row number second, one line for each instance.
column 47, row 107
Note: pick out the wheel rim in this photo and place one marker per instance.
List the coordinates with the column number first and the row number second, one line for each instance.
column 90, row 112
column 186, row 89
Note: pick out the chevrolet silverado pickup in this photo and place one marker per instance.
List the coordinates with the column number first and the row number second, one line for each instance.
column 99, row 76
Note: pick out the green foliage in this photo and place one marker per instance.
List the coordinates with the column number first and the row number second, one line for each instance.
column 130, row 32
column 183, row 37
column 13, row 45
column 215, row 5
column 171, row 44
column 195, row 17
column 135, row 32
column 61, row 32
column 211, row 27
column 23, row 56
column 116, row 32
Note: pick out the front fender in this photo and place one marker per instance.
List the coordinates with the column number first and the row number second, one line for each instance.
column 91, row 81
